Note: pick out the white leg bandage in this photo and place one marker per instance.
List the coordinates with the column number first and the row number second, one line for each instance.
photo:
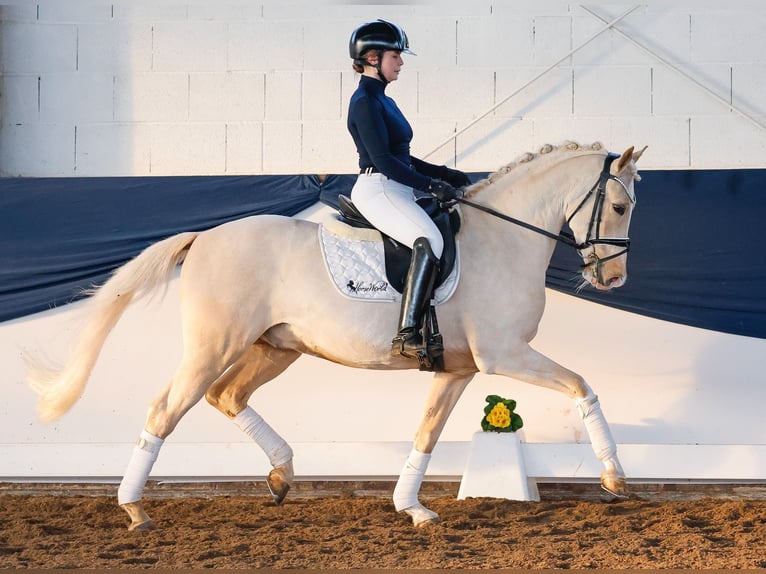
column 597, row 427
column 408, row 485
column 275, row 447
column 141, row 461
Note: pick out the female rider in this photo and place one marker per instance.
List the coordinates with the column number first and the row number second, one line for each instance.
column 384, row 190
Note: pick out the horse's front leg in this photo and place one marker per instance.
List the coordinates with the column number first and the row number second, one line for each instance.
column 443, row 395
column 532, row 367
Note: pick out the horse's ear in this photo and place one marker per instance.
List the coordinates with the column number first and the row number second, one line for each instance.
column 625, row 158
column 639, row 153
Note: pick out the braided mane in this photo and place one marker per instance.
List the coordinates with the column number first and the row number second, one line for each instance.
column 568, row 146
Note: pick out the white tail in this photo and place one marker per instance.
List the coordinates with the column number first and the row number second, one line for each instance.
column 60, row 389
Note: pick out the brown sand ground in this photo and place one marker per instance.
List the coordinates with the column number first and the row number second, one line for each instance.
column 354, row 528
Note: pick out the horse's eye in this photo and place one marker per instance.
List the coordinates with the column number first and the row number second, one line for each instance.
column 619, row 209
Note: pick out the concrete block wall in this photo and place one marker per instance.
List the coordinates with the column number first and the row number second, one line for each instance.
column 159, row 88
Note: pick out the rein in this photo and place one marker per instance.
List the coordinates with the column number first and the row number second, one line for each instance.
column 595, row 221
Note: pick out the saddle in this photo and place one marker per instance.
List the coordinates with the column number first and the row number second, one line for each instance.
column 398, row 255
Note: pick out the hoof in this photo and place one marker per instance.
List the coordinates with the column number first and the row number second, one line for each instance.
column 140, row 526
column 421, row 516
column 139, row 519
column 614, row 485
column 278, row 485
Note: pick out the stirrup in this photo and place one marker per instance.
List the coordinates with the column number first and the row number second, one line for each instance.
column 407, row 343
column 429, row 354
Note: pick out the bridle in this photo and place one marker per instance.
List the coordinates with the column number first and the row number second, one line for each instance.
column 593, row 236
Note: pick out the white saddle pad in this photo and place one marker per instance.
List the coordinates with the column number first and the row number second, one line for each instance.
column 356, row 263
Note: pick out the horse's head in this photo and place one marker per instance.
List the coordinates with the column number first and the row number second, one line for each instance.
column 601, row 220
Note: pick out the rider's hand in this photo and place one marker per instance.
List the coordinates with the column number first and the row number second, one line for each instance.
column 443, row 191
column 454, row 177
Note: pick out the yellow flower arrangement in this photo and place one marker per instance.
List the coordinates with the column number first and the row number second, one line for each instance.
column 499, row 415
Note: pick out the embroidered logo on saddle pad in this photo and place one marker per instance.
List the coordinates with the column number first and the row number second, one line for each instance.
column 355, row 260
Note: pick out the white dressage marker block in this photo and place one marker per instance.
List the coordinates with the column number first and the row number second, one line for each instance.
column 496, row 469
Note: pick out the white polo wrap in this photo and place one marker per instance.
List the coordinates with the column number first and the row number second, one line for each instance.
column 408, row 485
column 141, row 461
column 275, row 447
column 598, row 430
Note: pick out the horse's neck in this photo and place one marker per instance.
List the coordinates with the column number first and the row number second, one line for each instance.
column 540, row 195
column 537, row 195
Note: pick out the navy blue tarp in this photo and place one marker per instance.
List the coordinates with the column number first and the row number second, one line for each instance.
column 61, row 235
column 695, row 257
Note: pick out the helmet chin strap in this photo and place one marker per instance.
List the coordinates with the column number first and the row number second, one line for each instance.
column 377, row 67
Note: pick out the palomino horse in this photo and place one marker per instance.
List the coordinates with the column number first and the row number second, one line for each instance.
column 243, row 324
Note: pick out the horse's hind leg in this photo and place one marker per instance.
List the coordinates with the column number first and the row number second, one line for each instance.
column 187, row 386
column 258, row 365
column 446, row 389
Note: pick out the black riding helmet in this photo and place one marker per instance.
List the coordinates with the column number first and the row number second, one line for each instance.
column 378, row 35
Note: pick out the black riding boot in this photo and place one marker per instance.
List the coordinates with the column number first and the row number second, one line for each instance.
column 415, row 299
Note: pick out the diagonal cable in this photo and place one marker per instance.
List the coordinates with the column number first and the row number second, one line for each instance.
column 537, row 77
column 678, row 70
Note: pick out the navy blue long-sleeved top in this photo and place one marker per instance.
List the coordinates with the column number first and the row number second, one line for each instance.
column 382, row 136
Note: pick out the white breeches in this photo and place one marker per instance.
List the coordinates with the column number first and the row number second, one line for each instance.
column 391, row 208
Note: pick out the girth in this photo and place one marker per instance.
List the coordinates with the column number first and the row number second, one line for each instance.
column 398, row 255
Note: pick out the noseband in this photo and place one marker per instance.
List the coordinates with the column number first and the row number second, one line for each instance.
column 593, row 236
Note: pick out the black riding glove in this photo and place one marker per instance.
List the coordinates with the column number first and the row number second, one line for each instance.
column 443, row 191
column 454, row 177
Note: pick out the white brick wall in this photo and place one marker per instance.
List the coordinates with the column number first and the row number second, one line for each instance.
column 115, row 47
column 244, row 148
column 39, row 47
column 158, row 88
column 151, row 97
column 283, row 95
column 79, row 97
column 113, row 149
column 226, row 96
